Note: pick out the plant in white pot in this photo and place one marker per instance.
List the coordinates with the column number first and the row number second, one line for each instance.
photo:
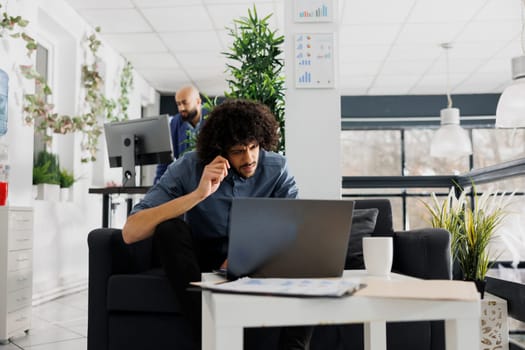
column 46, row 176
column 67, row 179
column 472, row 226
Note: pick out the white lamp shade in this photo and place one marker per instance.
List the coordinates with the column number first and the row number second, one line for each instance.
column 510, row 112
column 450, row 140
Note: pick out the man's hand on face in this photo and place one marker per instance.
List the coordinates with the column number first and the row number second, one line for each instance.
column 213, row 175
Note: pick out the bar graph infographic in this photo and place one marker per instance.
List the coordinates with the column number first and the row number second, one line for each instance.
column 314, row 60
column 313, row 10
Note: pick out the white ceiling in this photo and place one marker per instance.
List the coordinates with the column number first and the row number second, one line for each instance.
column 387, row 47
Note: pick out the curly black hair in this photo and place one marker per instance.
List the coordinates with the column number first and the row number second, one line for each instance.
column 234, row 122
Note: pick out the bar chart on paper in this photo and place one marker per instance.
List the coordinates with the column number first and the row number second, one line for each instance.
column 314, row 63
column 313, row 11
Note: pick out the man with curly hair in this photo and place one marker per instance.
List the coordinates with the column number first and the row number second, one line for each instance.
column 187, row 211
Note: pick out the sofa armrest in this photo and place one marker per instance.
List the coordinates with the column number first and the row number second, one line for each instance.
column 423, row 253
column 109, row 255
column 100, row 269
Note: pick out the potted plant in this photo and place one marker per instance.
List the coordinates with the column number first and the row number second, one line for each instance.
column 255, row 64
column 46, row 176
column 67, row 179
column 472, row 225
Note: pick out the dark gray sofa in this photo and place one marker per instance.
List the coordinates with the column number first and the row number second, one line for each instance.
column 132, row 306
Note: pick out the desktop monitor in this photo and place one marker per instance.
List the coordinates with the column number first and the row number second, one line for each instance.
column 138, row 142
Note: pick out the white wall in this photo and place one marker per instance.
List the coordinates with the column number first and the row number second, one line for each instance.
column 313, row 119
column 60, row 228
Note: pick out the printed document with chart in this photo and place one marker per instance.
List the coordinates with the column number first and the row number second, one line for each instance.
column 306, row 287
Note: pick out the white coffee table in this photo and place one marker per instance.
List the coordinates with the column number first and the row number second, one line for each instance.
column 225, row 315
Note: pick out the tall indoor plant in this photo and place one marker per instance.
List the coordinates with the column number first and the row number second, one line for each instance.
column 256, row 64
column 472, row 225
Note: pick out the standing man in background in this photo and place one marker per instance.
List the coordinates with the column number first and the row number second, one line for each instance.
column 185, row 123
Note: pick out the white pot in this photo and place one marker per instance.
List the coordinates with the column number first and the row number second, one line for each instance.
column 48, row 192
column 66, row 194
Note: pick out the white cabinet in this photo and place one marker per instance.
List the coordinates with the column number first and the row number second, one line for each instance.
column 16, row 270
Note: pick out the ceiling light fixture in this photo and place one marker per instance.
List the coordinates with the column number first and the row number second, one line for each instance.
column 510, row 112
column 450, row 140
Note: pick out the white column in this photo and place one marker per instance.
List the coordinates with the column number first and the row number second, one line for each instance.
column 313, row 117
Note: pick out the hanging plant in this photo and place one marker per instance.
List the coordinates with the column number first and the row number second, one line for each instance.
column 98, row 104
column 11, row 23
column 39, row 112
column 126, row 85
column 34, row 104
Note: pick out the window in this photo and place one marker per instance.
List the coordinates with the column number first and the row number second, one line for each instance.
column 380, row 152
column 495, row 146
column 371, row 152
column 41, row 66
column 418, row 161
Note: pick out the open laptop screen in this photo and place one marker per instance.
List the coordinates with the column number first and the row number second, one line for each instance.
column 289, row 238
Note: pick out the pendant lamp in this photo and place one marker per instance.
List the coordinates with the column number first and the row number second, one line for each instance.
column 510, row 112
column 450, row 140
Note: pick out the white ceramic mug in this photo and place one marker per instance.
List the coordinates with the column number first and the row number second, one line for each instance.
column 378, row 253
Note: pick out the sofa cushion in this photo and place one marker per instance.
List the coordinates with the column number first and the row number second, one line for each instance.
column 384, row 224
column 363, row 224
column 149, row 291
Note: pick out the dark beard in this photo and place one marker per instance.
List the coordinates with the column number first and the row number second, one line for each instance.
column 190, row 115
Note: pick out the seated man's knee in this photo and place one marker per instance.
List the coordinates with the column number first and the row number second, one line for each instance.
column 172, row 230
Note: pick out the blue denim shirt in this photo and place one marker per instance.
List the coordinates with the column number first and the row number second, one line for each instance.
column 210, row 218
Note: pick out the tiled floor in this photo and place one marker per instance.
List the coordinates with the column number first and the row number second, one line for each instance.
column 60, row 324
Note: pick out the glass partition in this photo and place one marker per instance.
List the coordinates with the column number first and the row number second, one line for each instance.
column 371, row 152
column 419, row 162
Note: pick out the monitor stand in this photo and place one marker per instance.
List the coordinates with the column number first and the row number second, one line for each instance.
column 129, row 143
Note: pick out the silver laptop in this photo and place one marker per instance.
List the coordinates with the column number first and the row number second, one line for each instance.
column 288, row 238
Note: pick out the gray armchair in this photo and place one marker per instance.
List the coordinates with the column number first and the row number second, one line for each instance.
column 132, row 306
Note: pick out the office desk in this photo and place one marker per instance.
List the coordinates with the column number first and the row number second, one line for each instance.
column 106, row 193
column 225, row 315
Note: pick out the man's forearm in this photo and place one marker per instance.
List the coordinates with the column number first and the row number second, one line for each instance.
column 142, row 224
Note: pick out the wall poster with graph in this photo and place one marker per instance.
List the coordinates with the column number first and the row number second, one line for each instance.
column 314, row 10
column 314, row 60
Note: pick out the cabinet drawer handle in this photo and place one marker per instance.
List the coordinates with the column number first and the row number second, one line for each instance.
column 22, row 219
column 22, row 239
column 21, row 279
column 23, row 318
column 21, row 299
column 21, row 259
